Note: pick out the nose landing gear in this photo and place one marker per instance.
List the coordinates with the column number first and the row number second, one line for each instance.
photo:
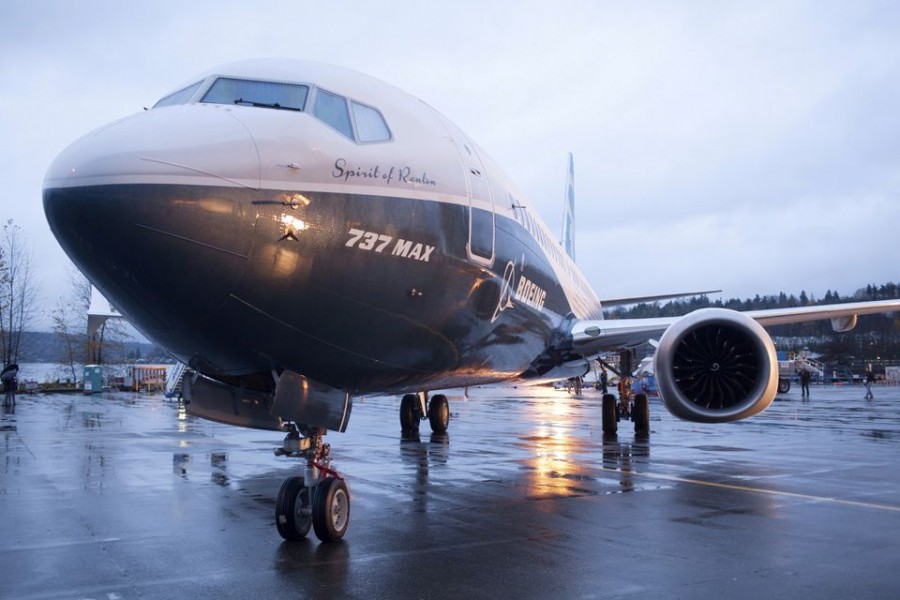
column 319, row 498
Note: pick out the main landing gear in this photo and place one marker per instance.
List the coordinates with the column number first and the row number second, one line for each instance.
column 639, row 413
column 413, row 410
column 319, row 498
column 637, row 407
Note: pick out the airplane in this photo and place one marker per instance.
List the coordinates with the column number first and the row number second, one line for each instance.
column 300, row 234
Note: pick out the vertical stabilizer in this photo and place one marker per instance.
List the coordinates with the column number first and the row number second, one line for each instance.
column 568, row 230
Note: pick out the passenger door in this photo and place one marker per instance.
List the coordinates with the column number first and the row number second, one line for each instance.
column 480, row 245
column 481, row 206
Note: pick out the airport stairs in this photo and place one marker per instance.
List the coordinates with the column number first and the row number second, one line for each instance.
column 793, row 365
column 812, row 365
column 174, row 378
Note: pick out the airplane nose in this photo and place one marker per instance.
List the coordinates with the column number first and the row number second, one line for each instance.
column 154, row 209
column 201, row 144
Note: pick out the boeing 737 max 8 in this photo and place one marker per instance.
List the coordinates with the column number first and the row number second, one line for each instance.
column 300, row 234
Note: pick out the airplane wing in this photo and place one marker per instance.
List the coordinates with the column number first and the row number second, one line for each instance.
column 590, row 337
column 639, row 299
column 841, row 315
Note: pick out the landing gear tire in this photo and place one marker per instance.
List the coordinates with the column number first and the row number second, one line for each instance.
column 640, row 414
column 331, row 509
column 293, row 516
column 409, row 413
column 610, row 416
column 439, row 413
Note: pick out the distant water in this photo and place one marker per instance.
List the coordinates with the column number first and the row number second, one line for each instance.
column 51, row 372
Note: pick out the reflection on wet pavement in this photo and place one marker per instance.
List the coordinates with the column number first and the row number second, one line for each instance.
column 126, row 495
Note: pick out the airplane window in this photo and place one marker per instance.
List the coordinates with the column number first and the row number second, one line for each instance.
column 179, row 97
column 265, row 94
column 370, row 125
column 332, row 110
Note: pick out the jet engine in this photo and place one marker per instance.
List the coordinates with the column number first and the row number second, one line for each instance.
column 716, row 365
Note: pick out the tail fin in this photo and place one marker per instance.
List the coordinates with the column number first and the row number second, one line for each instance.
column 568, row 230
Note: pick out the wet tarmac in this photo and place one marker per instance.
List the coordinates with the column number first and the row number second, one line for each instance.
column 124, row 496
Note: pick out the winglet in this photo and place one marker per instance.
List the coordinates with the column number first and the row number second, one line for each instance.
column 568, row 231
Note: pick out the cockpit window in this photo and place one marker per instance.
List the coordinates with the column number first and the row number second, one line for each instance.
column 370, row 125
column 265, row 94
column 332, row 110
column 357, row 122
column 179, row 97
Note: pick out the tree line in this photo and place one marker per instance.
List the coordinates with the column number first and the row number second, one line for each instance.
column 876, row 338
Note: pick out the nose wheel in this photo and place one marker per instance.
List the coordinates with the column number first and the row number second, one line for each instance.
column 319, row 498
column 331, row 509
column 293, row 510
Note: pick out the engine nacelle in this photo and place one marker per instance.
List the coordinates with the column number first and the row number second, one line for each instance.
column 716, row 365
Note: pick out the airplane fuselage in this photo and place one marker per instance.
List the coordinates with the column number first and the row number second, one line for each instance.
column 369, row 252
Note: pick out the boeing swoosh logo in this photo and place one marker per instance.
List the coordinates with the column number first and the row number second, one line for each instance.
column 506, row 289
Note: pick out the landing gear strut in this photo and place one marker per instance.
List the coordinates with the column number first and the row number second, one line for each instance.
column 318, row 498
column 413, row 410
column 636, row 407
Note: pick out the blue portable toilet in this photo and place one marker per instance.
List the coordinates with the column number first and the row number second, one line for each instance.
column 93, row 379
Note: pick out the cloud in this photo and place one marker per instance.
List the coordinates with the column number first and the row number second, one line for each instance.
column 745, row 140
column 813, row 245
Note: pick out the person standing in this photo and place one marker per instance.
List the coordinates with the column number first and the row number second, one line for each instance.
column 10, row 377
column 604, row 379
column 870, row 379
column 804, row 382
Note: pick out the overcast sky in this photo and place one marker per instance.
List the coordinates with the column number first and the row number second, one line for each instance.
column 748, row 146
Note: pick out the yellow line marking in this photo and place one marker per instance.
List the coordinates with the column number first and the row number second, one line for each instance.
column 743, row 488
